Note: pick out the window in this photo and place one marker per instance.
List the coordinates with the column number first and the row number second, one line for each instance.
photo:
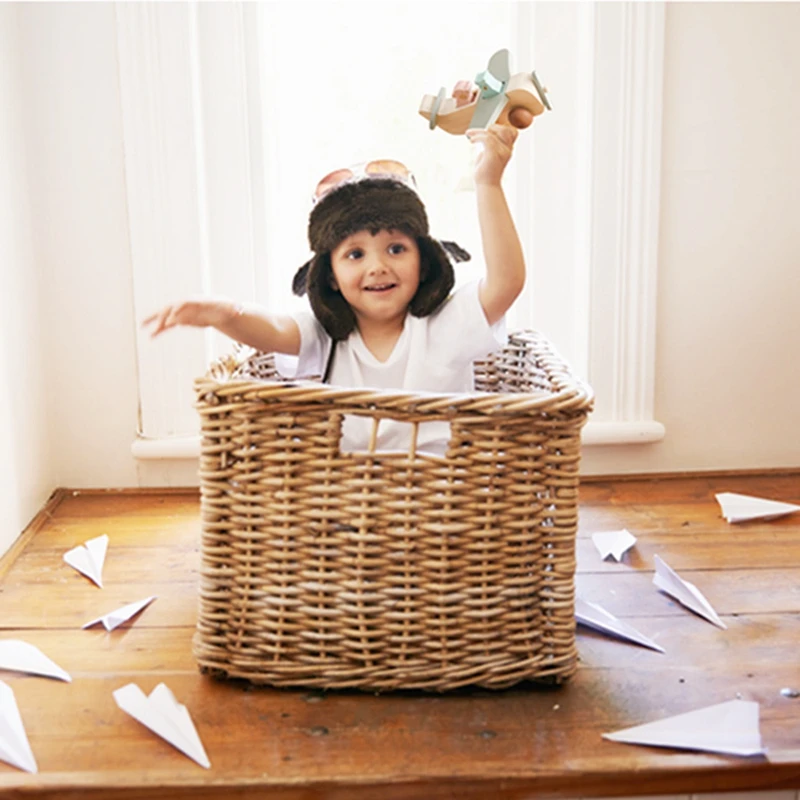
column 232, row 112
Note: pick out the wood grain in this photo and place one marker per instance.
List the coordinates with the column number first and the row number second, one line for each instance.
column 524, row 742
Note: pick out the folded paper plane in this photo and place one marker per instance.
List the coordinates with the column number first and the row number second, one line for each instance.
column 14, row 746
column 162, row 714
column 685, row 593
column 613, row 543
column 115, row 618
column 23, row 657
column 743, row 507
column 730, row 728
column 594, row 616
column 89, row 557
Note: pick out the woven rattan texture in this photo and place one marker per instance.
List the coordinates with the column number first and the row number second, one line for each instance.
column 383, row 570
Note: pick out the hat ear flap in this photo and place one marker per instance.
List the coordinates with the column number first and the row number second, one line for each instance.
column 300, row 280
column 331, row 309
column 436, row 278
column 455, row 251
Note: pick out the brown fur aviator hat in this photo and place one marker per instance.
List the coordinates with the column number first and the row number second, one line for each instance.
column 371, row 204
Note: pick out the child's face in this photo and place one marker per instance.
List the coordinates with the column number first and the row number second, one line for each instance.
column 377, row 275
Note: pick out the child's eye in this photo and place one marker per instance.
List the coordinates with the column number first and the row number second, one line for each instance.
column 355, row 254
column 397, row 248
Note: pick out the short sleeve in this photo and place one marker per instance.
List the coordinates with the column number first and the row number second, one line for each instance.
column 460, row 330
column 315, row 346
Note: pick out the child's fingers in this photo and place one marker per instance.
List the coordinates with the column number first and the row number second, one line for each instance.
column 197, row 314
column 477, row 139
column 173, row 317
column 507, row 134
column 158, row 318
column 491, row 140
column 485, row 137
column 161, row 321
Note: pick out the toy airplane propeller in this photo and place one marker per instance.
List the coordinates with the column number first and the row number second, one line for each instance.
column 499, row 98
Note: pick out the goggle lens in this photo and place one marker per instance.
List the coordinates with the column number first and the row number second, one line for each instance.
column 380, row 167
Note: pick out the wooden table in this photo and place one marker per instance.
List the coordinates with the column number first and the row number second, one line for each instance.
column 520, row 743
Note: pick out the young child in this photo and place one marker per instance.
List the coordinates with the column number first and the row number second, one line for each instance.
column 379, row 287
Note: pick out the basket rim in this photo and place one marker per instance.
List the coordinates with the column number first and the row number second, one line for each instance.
column 571, row 394
column 577, row 398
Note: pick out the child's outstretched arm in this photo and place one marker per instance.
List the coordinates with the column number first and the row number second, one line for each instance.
column 270, row 333
column 502, row 250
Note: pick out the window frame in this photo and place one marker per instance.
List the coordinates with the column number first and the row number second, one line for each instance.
column 196, row 157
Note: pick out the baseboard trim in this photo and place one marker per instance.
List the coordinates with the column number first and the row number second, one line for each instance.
column 756, row 472
column 35, row 525
column 135, row 490
column 762, row 472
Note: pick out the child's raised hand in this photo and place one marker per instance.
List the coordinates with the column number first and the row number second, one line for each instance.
column 196, row 313
column 497, row 146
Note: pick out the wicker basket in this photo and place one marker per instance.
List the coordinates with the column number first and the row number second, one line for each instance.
column 390, row 570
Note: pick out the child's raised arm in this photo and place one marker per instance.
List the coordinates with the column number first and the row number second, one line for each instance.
column 502, row 250
column 248, row 325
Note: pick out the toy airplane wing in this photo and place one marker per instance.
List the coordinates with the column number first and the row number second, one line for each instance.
column 492, row 83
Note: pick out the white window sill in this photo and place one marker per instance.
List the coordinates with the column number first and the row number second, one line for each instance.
column 180, row 447
column 594, row 433
column 602, row 433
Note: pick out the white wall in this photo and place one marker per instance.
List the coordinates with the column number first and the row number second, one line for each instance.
column 727, row 379
column 27, row 476
column 728, row 327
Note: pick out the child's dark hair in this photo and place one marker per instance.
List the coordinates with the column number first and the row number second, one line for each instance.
column 372, row 205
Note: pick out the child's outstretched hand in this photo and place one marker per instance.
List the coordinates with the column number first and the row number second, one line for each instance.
column 497, row 146
column 196, row 313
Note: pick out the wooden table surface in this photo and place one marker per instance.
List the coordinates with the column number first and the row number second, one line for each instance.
column 523, row 742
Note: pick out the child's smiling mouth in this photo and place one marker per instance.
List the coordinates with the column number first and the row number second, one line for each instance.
column 380, row 287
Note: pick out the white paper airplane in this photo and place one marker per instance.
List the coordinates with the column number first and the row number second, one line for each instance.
column 613, row 543
column 115, row 618
column 23, row 657
column 730, row 728
column 684, row 592
column 594, row 616
column 14, row 746
column 89, row 557
column 743, row 507
column 162, row 714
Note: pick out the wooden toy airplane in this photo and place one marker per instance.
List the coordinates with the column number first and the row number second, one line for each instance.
column 499, row 98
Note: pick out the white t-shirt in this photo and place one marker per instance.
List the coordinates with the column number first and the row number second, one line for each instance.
column 434, row 354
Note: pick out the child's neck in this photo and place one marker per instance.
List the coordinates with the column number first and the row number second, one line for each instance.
column 380, row 338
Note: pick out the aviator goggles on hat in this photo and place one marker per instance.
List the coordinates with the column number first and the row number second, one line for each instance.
column 379, row 168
